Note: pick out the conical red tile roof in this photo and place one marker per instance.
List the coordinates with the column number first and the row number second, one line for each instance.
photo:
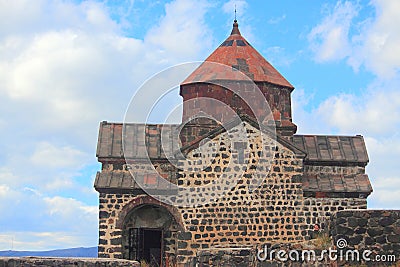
column 238, row 54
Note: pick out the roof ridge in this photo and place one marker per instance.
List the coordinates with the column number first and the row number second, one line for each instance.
column 236, row 121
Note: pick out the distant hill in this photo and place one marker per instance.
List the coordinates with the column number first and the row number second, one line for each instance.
column 69, row 252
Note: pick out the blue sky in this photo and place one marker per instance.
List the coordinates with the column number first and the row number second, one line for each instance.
column 67, row 65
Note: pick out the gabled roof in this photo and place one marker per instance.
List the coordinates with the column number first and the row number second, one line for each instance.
column 337, row 183
column 237, row 53
column 239, row 119
column 326, row 183
column 142, row 140
column 333, row 149
column 131, row 181
column 336, row 150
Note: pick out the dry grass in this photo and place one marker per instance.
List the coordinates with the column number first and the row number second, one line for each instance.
column 322, row 241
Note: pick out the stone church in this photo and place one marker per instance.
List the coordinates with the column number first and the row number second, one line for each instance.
column 268, row 185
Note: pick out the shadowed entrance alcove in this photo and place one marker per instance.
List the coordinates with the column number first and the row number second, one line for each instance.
column 149, row 234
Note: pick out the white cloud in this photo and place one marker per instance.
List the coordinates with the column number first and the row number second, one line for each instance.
column 386, row 193
column 383, row 170
column 372, row 43
column 22, row 17
column 376, row 116
column 26, row 240
column 60, row 83
column 70, row 211
column 74, row 77
column 7, row 177
column 4, row 191
column 377, row 46
column 53, row 222
column 49, row 167
column 64, row 67
column 384, row 155
column 377, row 111
column 50, row 156
column 182, row 33
column 329, row 39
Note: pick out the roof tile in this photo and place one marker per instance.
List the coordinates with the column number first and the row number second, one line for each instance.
column 142, row 140
column 237, row 53
column 337, row 183
column 332, row 148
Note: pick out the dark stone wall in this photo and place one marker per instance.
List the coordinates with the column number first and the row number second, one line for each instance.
column 228, row 257
column 319, row 210
column 195, row 128
column 374, row 230
column 245, row 257
column 203, row 98
column 239, row 215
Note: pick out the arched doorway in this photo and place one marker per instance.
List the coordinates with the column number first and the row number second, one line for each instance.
column 149, row 234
